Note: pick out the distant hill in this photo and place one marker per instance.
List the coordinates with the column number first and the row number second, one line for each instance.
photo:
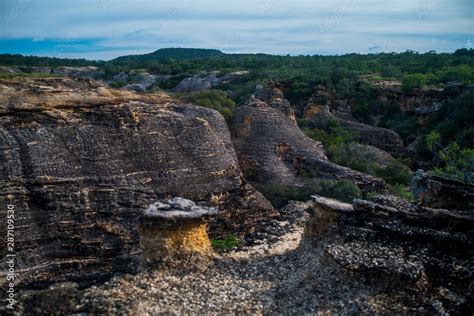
column 174, row 53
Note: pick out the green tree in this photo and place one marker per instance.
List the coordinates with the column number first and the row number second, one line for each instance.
column 411, row 81
column 454, row 162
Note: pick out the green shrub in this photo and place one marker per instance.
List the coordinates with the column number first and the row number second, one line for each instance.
column 229, row 242
column 394, row 173
column 213, row 99
column 345, row 153
column 117, row 84
column 279, row 194
column 401, row 191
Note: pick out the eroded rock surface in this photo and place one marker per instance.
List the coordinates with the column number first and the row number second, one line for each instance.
column 174, row 231
column 381, row 257
column 198, row 83
column 437, row 192
column 421, row 258
column 271, row 147
column 79, row 161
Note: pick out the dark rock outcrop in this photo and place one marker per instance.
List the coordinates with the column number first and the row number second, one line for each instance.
column 420, row 258
column 437, row 192
column 275, row 150
column 273, row 96
column 79, row 161
column 322, row 106
column 382, row 138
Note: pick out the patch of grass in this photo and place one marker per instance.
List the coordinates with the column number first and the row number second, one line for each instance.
column 229, row 242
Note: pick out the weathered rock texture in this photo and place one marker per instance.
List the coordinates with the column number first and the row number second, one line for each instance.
column 208, row 81
column 438, row 192
column 79, row 161
column 381, row 138
column 419, row 258
column 175, row 230
column 275, row 151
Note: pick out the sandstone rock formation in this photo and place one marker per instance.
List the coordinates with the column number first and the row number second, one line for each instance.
column 198, row 83
column 421, row 101
column 10, row 70
column 413, row 256
column 275, row 150
column 138, row 82
column 79, row 161
column 273, row 96
column 382, row 138
column 174, row 230
column 322, row 107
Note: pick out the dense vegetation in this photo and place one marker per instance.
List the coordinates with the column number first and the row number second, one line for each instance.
column 346, row 77
column 299, row 74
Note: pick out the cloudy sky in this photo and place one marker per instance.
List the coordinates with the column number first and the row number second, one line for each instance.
column 104, row 29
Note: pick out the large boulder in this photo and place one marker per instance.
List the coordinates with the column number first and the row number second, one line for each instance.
column 79, row 162
column 275, row 150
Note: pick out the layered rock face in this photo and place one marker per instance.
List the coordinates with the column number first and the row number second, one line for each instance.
column 322, row 106
column 437, row 192
column 79, row 161
column 401, row 256
column 382, row 138
column 271, row 147
column 417, row 100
